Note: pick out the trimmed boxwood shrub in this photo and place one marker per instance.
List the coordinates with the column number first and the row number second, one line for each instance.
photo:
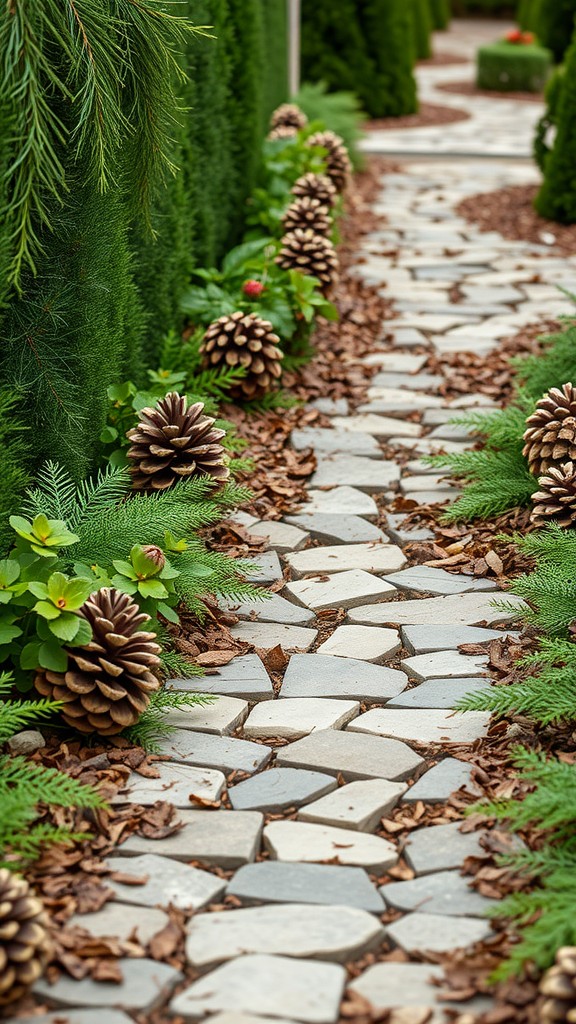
column 557, row 197
column 510, row 67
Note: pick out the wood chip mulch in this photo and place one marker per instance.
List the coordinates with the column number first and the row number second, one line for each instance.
column 429, row 116
column 442, row 59
column 467, row 88
column 510, row 211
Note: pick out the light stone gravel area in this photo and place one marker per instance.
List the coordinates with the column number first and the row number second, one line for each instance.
column 281, row 789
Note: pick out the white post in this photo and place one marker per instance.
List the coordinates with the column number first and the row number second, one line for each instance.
column 293, row 46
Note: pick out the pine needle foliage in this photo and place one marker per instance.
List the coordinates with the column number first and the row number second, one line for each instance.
column 154, row 725
column 552, row 367
column 544, row 915
column 497, row 476
column 550, row 588
column 15, row 459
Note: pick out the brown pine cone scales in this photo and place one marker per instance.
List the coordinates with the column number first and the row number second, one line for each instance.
column 24, row 943
column 288, row 115
column 550, row 435
column 310, row 253
column 558, row 990
column 172, row 442
column 556, row 496
column 244, row 339
column 338, row 165
column 108, row 681
column 307, row 213
column 283, row 131
column 315, row 186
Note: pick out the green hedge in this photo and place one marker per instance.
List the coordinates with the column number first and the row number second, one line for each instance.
column 497, row 8
column 422, row 28
column 510, row 67
column 440, row 13
column 557, row 197
column 554, row 24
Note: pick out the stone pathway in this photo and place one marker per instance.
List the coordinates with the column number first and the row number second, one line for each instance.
column 301, row 850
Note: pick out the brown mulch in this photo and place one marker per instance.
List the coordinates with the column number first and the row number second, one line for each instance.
column 510, row 211
column 442, row 59
column 429, row 115
column 467, row 88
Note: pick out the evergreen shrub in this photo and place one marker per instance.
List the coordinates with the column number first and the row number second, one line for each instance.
column 421, row 28
column 388, row 29
column 556, row 199
column 440, row 13
column 511, row 67
column 554, row 25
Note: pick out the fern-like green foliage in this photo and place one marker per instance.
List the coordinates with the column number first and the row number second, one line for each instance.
column 496, row 477
column 155, row 723
column 15, row 459
column 544, row 915
column 23, row 785
column 550, row 588
column 341, row 111
column 554, row 366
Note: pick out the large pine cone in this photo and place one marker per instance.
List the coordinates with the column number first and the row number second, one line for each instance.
column 550, row 435
column 244, row 339
column 307, row 214
column 556, row 497
column 315, row 186
column 24, row 944
column 310, row 254
column 558, row 989
column 283, row 131
column 338, row 165
column 107, row 685
column 288, row 115
column 172, row 442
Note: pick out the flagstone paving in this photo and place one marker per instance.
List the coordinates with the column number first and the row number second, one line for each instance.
column 294, row 774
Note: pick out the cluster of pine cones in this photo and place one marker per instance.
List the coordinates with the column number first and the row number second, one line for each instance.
column 550, row 447
column 558, row 990
column 245, row 339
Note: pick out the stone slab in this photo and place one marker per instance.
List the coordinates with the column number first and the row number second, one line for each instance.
column 434, row 497
column 389, row 986
column 222, row 752
column 416, row 483
column 439, row 782
column 301, row 841
column 408, row 535
column 377, row 426
column 426, row 639
column 326, row 440
column 357, row 805
column 436, row 933
column 280, row 788
column 76, row 1016
column 280, row 536
column 442, row 847
column 396, row 398
column 458, row 609
column 444, row 892
column 245, row 1018
column 444, row 665
column 297, row 929
column 243, row 677
column 318, row 675
column 145, row 983
column 424, row 726
column 425, row 579
column 368, row 643
column 307, row 991
column 375, row 558
column 369, row 475
column 226, row 839
column 299, row 716
column 273, row 881
column 346, row 589
column 273, row 634
column 341, row 501
column 439, row 693
column 338, row 529
column 115, row 920
column 220, row 718
column 395, row 362
column 267, row 568
column 273, row 609
column 168, row 881
column 354, row 756
column 412, row 382
column 178, row 783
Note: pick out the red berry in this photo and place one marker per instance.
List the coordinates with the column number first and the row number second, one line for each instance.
column 253, row 289
column 514, row 36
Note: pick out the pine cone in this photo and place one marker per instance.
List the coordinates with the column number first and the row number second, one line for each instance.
column 556, row 497
column 288, row 115
column 172, row 442
column 338, row 165
column 24, row 944
column 307, row 214
column 558, row 989
column 243, row 339
column 283, row 131
column 310, row 254
column 106, row 686
column 550, row 436
column 315, row 186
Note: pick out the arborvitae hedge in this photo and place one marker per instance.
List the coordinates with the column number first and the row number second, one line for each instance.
column 440, row 13
column 422, row 28
column 388, row 30
column 554, row 24
column 275, row 66
column 557, row 197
